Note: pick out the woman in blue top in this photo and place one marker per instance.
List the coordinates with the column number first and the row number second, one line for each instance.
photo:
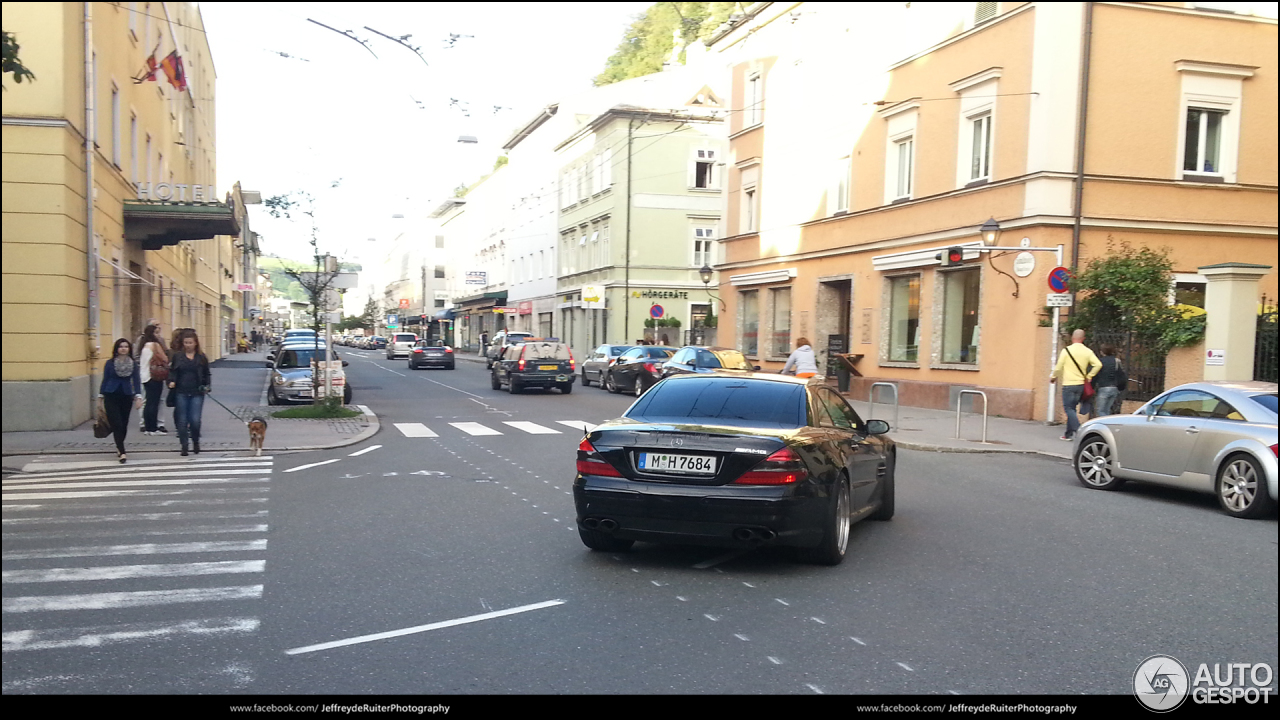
column 121, row 390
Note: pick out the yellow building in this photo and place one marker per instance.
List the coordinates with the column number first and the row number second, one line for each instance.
column 110, row 212
column 868, row 137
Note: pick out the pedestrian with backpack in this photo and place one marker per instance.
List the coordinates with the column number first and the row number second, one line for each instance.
column 1110, row 382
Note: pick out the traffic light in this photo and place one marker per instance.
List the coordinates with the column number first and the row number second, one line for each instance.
column 951, row 257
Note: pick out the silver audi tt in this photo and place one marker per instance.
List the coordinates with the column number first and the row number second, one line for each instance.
column 1217, row 437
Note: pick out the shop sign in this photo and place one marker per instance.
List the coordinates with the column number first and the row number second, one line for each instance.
column 659, row 294
column 167, row 191
column 593, row 296
column 244, row 287
column 477, row 277
column 526, row 307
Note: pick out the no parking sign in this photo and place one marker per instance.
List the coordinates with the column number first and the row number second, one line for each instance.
column 656, row 311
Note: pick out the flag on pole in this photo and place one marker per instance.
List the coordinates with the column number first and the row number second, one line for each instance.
column 149, row 71
column 172, row 65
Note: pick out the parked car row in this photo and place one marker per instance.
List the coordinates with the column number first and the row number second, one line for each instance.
column 635, row 369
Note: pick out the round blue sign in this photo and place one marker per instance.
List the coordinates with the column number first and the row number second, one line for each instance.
column 655, row 311
column 1058, row 279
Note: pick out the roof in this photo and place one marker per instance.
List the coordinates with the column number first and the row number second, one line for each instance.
column 740, row 375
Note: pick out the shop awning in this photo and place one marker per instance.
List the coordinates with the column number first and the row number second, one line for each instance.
column 157, row 224
column 489, row 299
column 446, row 314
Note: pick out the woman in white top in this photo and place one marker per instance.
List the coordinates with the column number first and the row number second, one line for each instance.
column 802, row 362
column 152, row 348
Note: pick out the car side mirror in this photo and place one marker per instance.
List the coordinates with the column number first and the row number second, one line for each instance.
column 271, row 358
column 756, row 368
column 269, row 363
column 877, row 427
column 345, row 363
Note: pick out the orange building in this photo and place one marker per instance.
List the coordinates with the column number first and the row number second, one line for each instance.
column 866, row 138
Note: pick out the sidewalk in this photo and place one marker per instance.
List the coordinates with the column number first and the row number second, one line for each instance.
column 239, row 382
column 934, row 430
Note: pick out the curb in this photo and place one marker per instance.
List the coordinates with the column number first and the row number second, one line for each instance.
column 375, row 426
column 908, row 445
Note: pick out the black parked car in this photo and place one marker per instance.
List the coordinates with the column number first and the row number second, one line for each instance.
column 698, row 359
column 431, row 353
column 595, row 364
column 637, row 369
column 539, row 364
column 740, row 460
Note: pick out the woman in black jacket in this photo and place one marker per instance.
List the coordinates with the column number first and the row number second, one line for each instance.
column 189, row 380
column 120, row 391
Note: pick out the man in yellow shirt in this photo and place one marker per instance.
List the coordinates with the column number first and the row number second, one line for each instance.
column 1076, row 364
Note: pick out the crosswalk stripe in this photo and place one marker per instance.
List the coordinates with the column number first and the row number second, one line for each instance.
column 415, row 430
column 126, row 493
column 41, row 466
column 131, row 469
column 578, row 425
column 69, row 533
column 116, row 600
column 128, row 483
column 475, row 428
column 124, row 572
column 17, row 482
column 531, row 428
column 138, row 502
column 96, row 637
column 139, row 549
column 134, row 517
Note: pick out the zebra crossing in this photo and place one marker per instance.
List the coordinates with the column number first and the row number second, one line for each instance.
column 99, row 556
column 475, row 429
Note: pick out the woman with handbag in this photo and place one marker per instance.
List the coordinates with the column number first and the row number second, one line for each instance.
column 189, row 381
column 121, row 389
column 1076, row 368
column 155, row 371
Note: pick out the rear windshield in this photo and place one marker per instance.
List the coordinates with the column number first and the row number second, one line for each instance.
column 298, row 358
column 660, row 353
column 406, row 338
column 727, row 359
column 1266, row 401
column 723, row 401
column 617, row 350
column 546, row 351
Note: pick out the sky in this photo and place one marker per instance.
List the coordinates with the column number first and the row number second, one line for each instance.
column 301, row 108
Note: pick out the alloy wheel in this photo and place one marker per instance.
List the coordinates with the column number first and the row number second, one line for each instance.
column 842, row 518
column 1094, row 463
column 1238, row 486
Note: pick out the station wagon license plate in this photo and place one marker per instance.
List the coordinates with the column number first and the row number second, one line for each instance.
column 548, row 367
column 668, row 462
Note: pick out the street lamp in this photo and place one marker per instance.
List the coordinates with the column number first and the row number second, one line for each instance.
column 990, row 232
column 705, row 272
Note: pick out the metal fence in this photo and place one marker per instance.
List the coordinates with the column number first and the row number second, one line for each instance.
column 1264, row 347
column 1145, row 367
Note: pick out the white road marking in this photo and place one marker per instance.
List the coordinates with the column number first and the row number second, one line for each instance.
column 905, row 666
column 63, row 533
column 531, row 428
column 121, row 572
column 140, row 549
column 814, row 688
column 93, row 637
column 317, row 464
column 103, row 601
column 129, row 493
column 682, row 598
column 369, row 449
column 415, row 430
column 712, row 618
column 953, row 692
column 784, row 602
column 397, row 373
column 578, row 425
column 774, row 660
column 127, row 483
column 365, row 409
column 718, row 559
column 107, row 480
column 475, row 428
column 464, row 392
column 133, row 469
column 857, row 641
column 742, row 637
column 423, row 628
column 748, row 584
column 81, row 519
column 820, row 621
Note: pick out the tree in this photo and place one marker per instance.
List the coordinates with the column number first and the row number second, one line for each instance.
column 1128, row 289
column 12, row 64
column 648, row 43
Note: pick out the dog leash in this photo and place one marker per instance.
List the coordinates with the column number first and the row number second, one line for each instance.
column 224, row 407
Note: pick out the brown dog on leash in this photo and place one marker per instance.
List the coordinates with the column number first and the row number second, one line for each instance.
column 257, row 434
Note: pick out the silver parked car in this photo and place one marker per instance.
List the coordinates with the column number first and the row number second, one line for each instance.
column 1217, row 437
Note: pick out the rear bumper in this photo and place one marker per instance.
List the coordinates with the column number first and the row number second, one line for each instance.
column 431, row 362
column 542, row 381
column 703, row 515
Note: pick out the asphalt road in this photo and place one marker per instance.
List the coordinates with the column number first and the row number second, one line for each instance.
column 448, row 562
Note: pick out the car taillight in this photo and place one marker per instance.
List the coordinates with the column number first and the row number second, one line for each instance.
column 651, row 368
column 1273, row 451
column 417, row 351
column 590, row 462
column 448, row 350
column 781, row 468
column 522, row 360
column 572, row 365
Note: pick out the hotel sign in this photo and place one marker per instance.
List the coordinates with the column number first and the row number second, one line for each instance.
column 169, row 192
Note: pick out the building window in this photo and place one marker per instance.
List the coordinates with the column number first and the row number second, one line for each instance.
column 150, row 172
column 605, row 258
column 983, row 12
column 702, row 239
column 840, row 188
column 749, row 328
column 781, row 302
column 904, row 319
column 1203, row 148
column 754, row 99
column 133, row 149
column 980, row 150
column 115, row 125
column 960, row 316
column 749, row 210
column 598, row 186
column 439, row 302
column 439, row 242
column 904, row 150
column 702, row 173
column 439, row 271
